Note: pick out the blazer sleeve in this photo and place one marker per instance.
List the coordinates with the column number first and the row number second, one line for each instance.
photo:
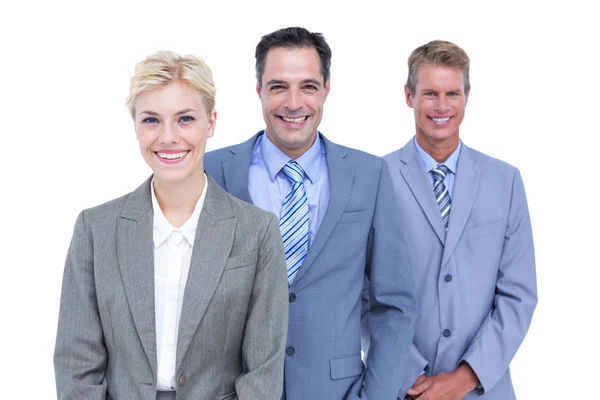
column 504, row 328
column 266, row 324
column 392, row 305
column 416, row 365
column 80, row 355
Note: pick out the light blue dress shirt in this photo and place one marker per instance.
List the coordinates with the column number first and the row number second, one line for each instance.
column 451, row 163
column 268, row 185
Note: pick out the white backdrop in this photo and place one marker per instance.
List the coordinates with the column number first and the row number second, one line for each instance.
column 68, row 142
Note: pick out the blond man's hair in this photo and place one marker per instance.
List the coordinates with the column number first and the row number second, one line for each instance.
column 166, row 67
column 438, row 52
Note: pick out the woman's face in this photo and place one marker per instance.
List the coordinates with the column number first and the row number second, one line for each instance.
column 172, row 126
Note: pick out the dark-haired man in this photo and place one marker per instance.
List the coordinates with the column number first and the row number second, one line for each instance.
column 339, row 225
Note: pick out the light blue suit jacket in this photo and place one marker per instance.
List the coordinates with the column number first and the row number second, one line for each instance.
column 475, row 284
column 359, row 237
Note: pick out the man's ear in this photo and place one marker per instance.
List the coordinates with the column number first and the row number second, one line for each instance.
column 258, row 91
column 409, row 96
column 327, row 87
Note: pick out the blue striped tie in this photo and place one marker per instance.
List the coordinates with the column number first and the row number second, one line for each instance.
column 441, row 192
column 293, row 221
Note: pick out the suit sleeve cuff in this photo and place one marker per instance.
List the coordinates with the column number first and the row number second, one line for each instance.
column 416, row 367
column 479, row 389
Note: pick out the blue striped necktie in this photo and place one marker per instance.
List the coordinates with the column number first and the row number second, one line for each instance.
column 441, row 192
column 293, row 221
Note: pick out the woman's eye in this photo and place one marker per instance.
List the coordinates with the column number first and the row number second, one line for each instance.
column 186, row 118
column 150, row 120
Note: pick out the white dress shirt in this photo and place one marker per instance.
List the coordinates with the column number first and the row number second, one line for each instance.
column 172, row 256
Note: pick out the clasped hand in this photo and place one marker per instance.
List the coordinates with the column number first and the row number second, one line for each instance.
column 444, row 386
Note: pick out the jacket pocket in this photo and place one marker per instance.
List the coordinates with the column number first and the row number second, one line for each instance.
column 240, row 261
column 229, row 396
column 353, row 216
column 109, row 397
column 346, row 366
column 488, row 229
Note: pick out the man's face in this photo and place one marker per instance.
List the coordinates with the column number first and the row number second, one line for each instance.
column 439, row 104
column 292, row 93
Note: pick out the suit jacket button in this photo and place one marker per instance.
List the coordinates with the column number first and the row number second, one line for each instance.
column 446, row 332
column 292, row 297
column 182, row 379
column 290, row 351
column 448, row 278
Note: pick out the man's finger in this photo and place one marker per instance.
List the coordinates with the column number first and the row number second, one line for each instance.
column 420, row 379
column 419, row 388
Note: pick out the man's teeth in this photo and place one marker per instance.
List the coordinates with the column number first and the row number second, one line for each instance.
column 294, row 120
column 172, row 156
column 440, row 120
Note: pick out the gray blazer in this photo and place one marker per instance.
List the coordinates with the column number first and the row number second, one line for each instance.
column 475, row 284
column 234, row 307
column 359, row 237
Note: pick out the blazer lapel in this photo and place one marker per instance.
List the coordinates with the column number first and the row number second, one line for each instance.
column 235, row 169
column 212, row 245
column 341, row 176
column 465, row 189
column 416, row 178
column 136, row 261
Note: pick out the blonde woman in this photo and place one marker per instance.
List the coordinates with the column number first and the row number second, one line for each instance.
column 176, row 290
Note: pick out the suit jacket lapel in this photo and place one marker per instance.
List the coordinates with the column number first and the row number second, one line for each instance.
column 136, row 260
column 465, row 189
column 235, row 169
column 416, row 178
column 341, row 176
column 212, row 245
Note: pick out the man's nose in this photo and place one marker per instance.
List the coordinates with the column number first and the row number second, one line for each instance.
column 294, row 100
column 442, row 104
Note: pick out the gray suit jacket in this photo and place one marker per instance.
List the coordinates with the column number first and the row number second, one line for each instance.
column 359, row 237
column 476, row 284
column 234, row 307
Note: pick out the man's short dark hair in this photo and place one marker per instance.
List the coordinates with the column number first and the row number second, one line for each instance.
column 293, row 38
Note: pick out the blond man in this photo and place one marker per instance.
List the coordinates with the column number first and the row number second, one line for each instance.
column 466, row 219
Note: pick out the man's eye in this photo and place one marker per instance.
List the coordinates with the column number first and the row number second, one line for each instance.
column 429, row 94
column 453, row 94
column 276, row 87
column 186, row 118
column 310, row 87
column 150, row 120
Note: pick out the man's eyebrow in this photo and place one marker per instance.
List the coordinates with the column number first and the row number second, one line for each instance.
column 274, row 82
column 313, row 81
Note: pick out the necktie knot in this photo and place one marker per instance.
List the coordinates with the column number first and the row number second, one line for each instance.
column 294, row 172
column 439, row 173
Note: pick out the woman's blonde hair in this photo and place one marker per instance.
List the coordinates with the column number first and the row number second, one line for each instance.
column 165, row 67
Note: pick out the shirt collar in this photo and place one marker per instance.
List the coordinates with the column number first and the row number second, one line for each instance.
column 162, row 229
column 429, row 162
column 275, row 159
